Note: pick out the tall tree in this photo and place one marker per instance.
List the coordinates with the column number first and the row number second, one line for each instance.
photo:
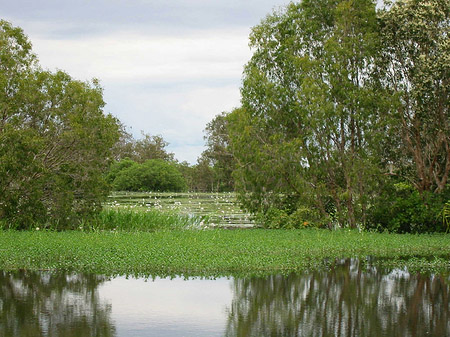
column 55, row 140
column 218, row 153
column 152, row 147
column 309, row 118
column 416, row 55
column 143, row 149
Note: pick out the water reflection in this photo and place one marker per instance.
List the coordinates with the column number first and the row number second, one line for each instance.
column 347, row 300
column 52, row 304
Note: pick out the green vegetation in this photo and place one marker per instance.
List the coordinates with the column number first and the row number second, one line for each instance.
column 216, row 252
column 344, row 123
column 55, row 140
column 149, row 220
column 345, row 114
column 151, row 175
column 141, row 150
column 129, row 219
column 217, row 154
column 169, row 233
column 446, row 215
column 403, row 209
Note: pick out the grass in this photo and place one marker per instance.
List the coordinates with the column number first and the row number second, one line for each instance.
column 127, row 219
column 130, row 219
column 216, row 252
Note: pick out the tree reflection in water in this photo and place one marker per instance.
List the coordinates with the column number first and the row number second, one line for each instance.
column 52, row 304
column 348, row 300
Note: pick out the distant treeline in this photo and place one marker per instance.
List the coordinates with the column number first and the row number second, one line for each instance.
column 145, row 165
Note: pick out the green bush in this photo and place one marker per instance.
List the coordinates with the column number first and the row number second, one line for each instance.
column 302, row 217
column 116, row 167
column 402, row 209
column 306, row 217
column 273, row 218
column 152, row 175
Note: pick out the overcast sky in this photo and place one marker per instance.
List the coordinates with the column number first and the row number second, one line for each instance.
column 167, row 66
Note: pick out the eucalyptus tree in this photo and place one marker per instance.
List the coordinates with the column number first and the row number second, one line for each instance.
column 55, row 140
column 218, row 153
column 304, row 138
column 146, row 148
column 416, row 71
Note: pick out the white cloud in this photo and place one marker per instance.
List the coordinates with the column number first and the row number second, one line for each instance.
column 187, row 152
column 171, row 85
column 135, row 57
column 200, row 101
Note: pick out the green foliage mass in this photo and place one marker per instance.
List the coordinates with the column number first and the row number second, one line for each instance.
column 199, row 177
column 340, row 103
column 151, row 175
column 415, row 68
column 217, row 153
column 143, row 221
column 401, row 208
column 55, row 140
column 306, row 134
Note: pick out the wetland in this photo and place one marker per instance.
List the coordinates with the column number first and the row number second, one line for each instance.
column 348, row 299
column 164, row 265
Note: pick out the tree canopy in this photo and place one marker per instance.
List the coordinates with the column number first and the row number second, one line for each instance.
column 217, row 153
column 415, row 68
column 55, row 140
column 340, row 102
column 140, row 150
column 151, row 175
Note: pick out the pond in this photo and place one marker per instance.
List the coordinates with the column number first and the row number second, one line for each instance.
column 221, row 208
column 349, row 299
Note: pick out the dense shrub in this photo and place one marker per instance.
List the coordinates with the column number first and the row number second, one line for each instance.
column 302, row 217
column 152, row 175
column 116, row 167
column 402, row 209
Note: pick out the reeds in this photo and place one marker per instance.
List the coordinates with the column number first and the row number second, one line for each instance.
column 142, row 220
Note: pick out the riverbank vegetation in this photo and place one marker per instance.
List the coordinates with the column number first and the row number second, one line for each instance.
column 55, row 140
column 122, row 219
column 344, row 123
column 217, row 252
column 344, row 118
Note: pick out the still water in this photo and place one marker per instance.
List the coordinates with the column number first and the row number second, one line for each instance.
column 346, row 300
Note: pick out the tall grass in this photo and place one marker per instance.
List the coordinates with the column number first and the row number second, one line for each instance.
column 126, row 219
column 144, row 220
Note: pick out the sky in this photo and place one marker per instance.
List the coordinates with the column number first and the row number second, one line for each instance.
column 167, row 67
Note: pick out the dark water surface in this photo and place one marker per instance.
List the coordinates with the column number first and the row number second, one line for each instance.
column 346, row 300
